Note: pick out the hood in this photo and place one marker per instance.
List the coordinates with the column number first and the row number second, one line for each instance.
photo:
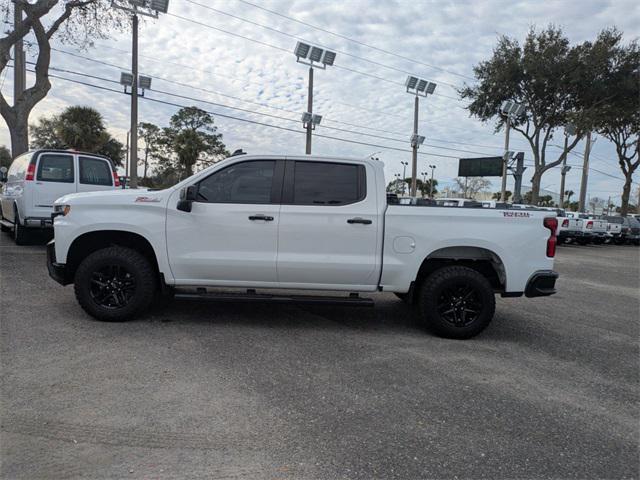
column 119, row 196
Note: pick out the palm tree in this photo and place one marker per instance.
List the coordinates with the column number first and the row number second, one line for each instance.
column 569, row 193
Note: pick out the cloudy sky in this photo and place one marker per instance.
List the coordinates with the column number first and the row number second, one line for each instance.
column 198, row 51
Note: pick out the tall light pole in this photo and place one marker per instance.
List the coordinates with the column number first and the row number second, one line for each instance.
column 313, row 57
column 150, row 8
column 418, row 87
column 404, row 174
column 569, row 130
column 432, row 167
column 510, row 110
column 397, row 175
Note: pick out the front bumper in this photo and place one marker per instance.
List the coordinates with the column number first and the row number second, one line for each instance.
column 57, row 271
column 541, row 284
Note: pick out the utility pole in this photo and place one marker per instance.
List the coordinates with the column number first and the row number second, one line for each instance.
column 133, row 156
column 563, row 171
column 432, row 167
column 414, row 148
column 310, row 110
column 585, row 174
column 505, row 161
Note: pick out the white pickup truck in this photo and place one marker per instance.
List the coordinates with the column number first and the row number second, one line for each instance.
column 594, row 230
column 297, row 223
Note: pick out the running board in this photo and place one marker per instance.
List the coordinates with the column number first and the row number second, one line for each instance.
column 352, row 300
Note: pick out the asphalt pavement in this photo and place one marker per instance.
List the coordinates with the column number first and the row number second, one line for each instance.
column 238, row 390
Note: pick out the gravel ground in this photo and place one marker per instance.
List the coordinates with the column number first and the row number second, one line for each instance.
column 233, row 390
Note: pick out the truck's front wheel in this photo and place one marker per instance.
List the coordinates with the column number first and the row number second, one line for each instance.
column 456, row 302
column 115, row 284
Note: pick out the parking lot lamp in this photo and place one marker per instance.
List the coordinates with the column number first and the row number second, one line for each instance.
column 313, row 57
column 404, row 174
column 150, row 8
column 569, row 131
column 420, row 88
column 510, row 110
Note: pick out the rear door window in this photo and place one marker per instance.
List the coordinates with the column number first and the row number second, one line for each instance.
column 95, row 171
column 325, row 183
column 55, row 167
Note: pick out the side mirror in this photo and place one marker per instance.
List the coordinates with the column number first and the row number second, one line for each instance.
column 187, row 197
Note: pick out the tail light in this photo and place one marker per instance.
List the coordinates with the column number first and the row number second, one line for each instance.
column 31, row 172
column 565, row 222
column 589, row 225
column 116, row 179
column 552, row 224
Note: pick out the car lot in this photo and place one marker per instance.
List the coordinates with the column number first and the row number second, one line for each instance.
column 237, row 390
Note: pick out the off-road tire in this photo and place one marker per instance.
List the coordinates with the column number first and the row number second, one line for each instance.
column 144, row 278
column 434, row 288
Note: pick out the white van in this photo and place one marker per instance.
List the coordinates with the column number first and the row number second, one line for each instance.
column 36, row 179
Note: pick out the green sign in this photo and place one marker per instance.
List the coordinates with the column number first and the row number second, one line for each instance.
column 480, row 167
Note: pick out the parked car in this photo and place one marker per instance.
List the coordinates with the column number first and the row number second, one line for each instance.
column 37, row 178
column 633, row 232
column 614, row 229
column 594, row 230
column 301, row 223
column 569, row 229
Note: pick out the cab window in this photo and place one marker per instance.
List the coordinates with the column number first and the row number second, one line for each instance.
column 248, row 182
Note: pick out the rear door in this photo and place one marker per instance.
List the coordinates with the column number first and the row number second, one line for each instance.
column 55, row 177
column 328, row 235
column 94, row 174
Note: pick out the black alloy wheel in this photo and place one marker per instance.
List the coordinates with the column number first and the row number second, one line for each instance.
column 112, row 286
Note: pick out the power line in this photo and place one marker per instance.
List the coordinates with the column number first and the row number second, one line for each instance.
column 185, row 97
column 278, row 108
column 296, row 37
column 344, row 37
column 265, row 44
column 246, row 120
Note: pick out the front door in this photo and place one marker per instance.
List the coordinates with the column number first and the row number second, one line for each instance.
column 230, row 237
column 329, row 227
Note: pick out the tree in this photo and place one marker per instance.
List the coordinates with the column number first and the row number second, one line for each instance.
column 569, row 194
column 471, row 186
column 190, row 141
column 597, row 203
column 550, row 78
column 69, row 21
column 425, row 187
column 5, row 157
column 545, row 201
column 79, row 128
column 619, row 119
column 152, row 136
column 396, row 186
column 497, row 195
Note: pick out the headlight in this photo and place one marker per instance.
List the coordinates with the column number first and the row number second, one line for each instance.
column 61, row 209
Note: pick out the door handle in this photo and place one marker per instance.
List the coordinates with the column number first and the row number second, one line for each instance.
column 363, row 221
column 261, row 217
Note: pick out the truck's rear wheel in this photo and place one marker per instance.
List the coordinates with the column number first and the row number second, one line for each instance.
column 115, row 284
column 456, row 302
